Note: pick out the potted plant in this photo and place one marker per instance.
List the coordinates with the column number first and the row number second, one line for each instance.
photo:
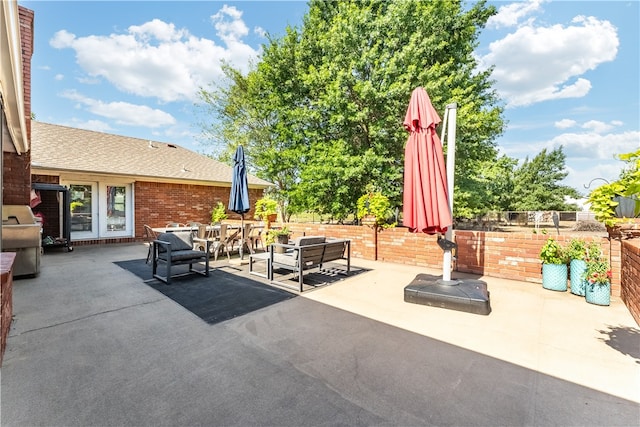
column 554, row 266
column 266, row 209
column 374, row 209
column 277, row 235
column 598, row 277
column 577, row 254
column 218, row 213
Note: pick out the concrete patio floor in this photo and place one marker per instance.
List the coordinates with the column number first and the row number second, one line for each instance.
column 91, row 344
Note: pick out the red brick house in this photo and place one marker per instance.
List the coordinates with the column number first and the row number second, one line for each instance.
column 16, row 48
column 117, row 184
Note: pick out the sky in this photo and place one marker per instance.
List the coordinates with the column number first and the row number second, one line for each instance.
column 568, row 72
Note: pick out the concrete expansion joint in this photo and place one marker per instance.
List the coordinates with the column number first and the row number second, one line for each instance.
column 14, row 321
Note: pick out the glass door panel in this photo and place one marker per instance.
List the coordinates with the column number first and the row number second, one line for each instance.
column 83, row 210
column 116, row 208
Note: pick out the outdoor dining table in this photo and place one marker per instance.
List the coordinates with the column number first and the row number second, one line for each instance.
column 190, row 228
column 215, row 228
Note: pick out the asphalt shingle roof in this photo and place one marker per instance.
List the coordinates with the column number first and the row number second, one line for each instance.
column 64, row 148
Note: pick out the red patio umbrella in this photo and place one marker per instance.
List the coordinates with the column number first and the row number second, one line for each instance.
column 425, row 199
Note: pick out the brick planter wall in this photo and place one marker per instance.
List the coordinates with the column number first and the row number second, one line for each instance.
column 6, row 298
column 505, row 255
column 630, row 272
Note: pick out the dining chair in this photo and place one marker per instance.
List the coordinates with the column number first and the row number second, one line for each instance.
column 226, row 239
column 255, row 237
column 201, row 232
column 149, row 237
column 244, row 237
column 175, row 224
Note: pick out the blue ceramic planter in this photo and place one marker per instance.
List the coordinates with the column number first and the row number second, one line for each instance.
column 554, row 277
column 598, row 294
column 577, row 268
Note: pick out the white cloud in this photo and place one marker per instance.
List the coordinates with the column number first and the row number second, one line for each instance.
column 95, row 125
column 62, row 39
column 229, row 24
column 59, row 77
column 158, row 60
column 565, row 123
column 510, row 14
column 123, row 112
column 584, row 176
column 593, row 145
column 537, row 63
column 597, row 126
column 261, row 32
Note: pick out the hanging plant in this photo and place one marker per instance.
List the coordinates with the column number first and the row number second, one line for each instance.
column 606, row 199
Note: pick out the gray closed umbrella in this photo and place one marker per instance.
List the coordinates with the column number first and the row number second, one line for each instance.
column 239, row 197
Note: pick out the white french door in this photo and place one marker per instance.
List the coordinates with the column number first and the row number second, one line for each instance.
column 114, row 210
column 101, row 210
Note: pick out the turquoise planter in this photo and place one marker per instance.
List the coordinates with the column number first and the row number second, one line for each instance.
column 577, row 269
column 554, row 277
column 598, row 294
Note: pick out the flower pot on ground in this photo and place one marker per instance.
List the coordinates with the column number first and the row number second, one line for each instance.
column 598, row 277
column 554, row 277
column 577, row 251
column 578, row 266
column 554, row 266
column 598, row 294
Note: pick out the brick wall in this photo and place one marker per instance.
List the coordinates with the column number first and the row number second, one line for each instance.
column 159, row 203
column 6, row 297
column 630, row 280
column 511, row 255
column 16, row 178
column 505, row 255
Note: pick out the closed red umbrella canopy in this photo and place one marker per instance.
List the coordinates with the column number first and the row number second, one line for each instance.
column 425, row 198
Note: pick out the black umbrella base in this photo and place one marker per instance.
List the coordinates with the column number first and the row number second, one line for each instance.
column 467, row 295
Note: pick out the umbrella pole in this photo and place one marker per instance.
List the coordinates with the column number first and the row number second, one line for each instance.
column 450, row 126
column 242, row 237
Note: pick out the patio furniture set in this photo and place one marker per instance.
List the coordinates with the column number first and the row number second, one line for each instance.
column 192, row 246
column 303, row 254
column 178, row 244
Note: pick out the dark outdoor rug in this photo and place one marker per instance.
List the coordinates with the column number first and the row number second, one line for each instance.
column 219, row 297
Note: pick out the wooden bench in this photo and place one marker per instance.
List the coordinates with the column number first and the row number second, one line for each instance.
column 177, row 248
column 307, row 253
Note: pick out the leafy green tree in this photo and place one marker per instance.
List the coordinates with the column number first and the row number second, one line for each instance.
column 537, row 183
column 321, row 113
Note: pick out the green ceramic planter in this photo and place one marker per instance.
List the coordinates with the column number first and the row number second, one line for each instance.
column 577, row 269
column 598, row 294
column 554, row 277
